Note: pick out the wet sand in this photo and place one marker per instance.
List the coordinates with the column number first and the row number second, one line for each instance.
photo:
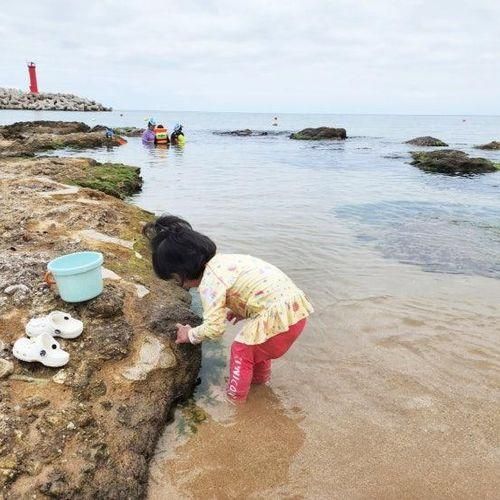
column 391, row 392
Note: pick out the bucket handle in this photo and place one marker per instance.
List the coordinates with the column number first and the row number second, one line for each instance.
column 49, row 278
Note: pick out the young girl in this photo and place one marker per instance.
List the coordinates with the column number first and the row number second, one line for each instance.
column 250, row 288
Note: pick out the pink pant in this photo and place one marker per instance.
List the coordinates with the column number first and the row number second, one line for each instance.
column 251, row 364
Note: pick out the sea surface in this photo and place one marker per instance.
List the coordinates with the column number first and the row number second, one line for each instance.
column 393, row 389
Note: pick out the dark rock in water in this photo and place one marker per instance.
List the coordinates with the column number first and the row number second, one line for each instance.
column 27, row 138
column 125, row 131
column 451, row 162
column 490, row 145
column 242, row 133
column 319, row 134
column 129, row 131
column 394, row 156
column 20, row 130
column 426, row 140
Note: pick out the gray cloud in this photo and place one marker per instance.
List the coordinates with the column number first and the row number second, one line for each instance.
column 316, row 55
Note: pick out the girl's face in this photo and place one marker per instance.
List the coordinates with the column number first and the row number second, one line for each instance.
column 186, row 284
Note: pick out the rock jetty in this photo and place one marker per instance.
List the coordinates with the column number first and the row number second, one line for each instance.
column 17, row 99
column 451, row 162
column 89, row 429
column 426, row 140
column 319, row 134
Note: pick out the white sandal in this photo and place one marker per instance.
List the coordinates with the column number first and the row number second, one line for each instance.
column 57, row 324
column 42, row 348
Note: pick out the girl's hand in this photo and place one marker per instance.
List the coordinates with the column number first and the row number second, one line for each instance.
column 233, row 318
column 182, row 334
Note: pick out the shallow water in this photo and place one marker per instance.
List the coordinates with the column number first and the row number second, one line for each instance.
column 393, row 389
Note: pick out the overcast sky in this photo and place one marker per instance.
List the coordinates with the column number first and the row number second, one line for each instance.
column 338, row 56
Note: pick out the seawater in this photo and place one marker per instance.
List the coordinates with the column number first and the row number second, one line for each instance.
column 393, row 388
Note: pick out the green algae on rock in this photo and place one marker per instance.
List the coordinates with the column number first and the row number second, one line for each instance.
column 111, row 178
column 115, row 179
column 451, row 162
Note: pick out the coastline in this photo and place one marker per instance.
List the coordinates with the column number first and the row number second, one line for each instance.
column 394, row 381
column 91, row 427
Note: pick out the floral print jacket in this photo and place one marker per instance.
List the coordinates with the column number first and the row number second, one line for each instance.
column 252, row 289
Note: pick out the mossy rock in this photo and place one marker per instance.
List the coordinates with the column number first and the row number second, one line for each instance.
column 451, row 162
column 114, row 179
column 426, row 140
column 319, row 134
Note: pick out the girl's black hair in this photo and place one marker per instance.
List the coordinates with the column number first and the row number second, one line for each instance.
column 177, row 248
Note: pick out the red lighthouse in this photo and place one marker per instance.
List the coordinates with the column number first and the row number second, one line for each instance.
column 32, row 73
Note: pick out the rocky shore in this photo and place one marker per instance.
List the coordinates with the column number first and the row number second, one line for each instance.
column 17, row 99
column 88, row 429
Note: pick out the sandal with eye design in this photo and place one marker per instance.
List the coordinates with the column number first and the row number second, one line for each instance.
column 43, row 348
column 57, row 324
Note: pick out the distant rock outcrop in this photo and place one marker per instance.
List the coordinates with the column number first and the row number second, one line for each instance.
column 451, row 162
column 426, row 140
column 490, row 145
column 17, row 99
column 241, row 133
column 319, row 134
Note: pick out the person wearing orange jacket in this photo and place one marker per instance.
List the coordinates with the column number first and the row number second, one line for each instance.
column 161, row 135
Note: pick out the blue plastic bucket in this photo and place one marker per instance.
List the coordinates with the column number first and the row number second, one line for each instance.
column 78, row 275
